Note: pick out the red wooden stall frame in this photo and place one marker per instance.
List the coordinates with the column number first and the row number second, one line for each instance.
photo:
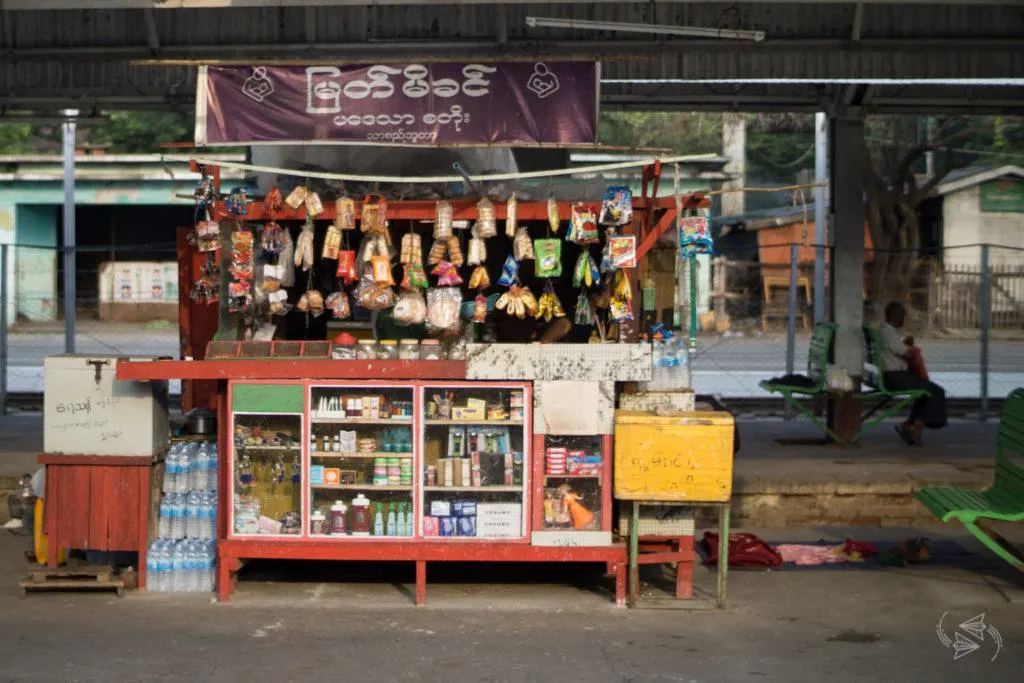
column 98, row 503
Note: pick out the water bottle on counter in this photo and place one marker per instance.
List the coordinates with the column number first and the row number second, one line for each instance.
column 170, row 470
column 193, row 501
column 153, row 567
column 178, row 517
column 183, row 471
column 209, row 531
column 200, row 469
column 177, row 582
column 211, row 475
column 163, row 527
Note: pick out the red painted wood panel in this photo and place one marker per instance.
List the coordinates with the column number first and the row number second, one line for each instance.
column 100, row 506
column 77, row 515
column 110, row 492
column 323, row 369
column 127, row 513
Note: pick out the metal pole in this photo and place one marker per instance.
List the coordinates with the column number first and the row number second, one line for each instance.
column 986, row 305
column 69, row 232
column 794, row 265
column 3, row 328
column 820, row 212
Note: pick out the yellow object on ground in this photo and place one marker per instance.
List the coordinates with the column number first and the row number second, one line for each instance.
column 678, row 458
column 39, row 531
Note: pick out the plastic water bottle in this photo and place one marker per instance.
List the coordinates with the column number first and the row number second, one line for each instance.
column 192, row 502
column 184, row 471
column 178, row 517
column 170, row 469
column 209, row 560
column 153, row 567
column 200, row 469
column 163, row 527
column 177, row 553
column 207, row 529
column 211, row 474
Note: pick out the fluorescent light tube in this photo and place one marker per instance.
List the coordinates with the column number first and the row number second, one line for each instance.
column 692, row 31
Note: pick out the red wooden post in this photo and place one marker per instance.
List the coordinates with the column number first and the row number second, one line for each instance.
column 53, row 537
column 537, row 514
column 620, row 583
column 684, row 568
column 421, row 582
column 143, row 512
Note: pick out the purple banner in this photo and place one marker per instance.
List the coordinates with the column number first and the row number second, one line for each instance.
column 513, row 103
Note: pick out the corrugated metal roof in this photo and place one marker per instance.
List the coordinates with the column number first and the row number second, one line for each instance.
column 89, row 51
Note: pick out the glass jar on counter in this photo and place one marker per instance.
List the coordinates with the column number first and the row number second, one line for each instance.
column 345, row 352
column 457, row 351
column 430, row 349
column 367, row 350
column 387, row 349
column 409, row 349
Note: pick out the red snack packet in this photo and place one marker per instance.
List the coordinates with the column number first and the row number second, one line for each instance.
column 347, row 267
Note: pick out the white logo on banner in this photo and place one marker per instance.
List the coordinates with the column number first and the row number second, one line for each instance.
column 258, row 86
column 542, row 82
column 970, row 636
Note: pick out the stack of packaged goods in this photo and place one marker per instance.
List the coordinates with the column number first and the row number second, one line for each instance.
column 184, row 556
column 555, row 460
column 578, row 463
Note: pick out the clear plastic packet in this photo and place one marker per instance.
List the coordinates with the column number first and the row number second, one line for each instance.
column 304, row 247
column 410, row 308
column 332, row 243
column 314, row 207
column 479, row 279
column 486, row 221
column 438, row 250
column 447, row 274
column 522, row 245
column 511, row 216
column 339, row 305
column 237, row 202
column 374, row 218
column 585, row 273
column 208, row 236
column 509, row 272
column 477, row 251
column 311, row 302
column 376, row 297
column 553, row 219
column 584, row 310
column 346, row 271
column 454, row 251
column 412, row 249
column 443, row 221
column 443, row 304
column 345, row 214
column 414, row 277
column 381, row 266
column 297, row 197
column 271, row 238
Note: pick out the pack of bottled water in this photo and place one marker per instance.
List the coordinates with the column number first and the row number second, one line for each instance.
column 184, row 556
column 183, row 566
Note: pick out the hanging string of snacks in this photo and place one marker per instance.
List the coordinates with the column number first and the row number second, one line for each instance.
column 522, row 245
column 621, row 306
column 304, row 246
column 272, row 202
column 584, row 310
column 479, row 279
column 455, row 251
column 438, row 250
column 477, row 251
column 414, row 277
column 486, row 222
column 511, row 216
column 553, row 219
column 374, row 220
column 312, row 302
column 332, row 243
column 443, row 221
column 582, row 225
column 518, row 302
column 297, row 197
column 585, row 273
column 447, row 274
column 549, row 306
column 345, row 214
column 240, row 288
column 236, row 202
column 346, row 271
column 339, row 305
column 412, row 249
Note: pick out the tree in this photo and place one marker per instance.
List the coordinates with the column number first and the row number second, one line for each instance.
column 895, row 191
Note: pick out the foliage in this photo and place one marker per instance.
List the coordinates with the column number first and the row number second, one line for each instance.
column 123, row 132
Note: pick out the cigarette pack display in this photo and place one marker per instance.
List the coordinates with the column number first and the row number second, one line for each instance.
column 316, row 474
column 465, row 508
column 447, row 526
column 449, row 472
column 431, row 526
column 465, row 526
column 466, row 472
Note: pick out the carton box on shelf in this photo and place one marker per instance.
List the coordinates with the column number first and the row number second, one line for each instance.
column 499, row 520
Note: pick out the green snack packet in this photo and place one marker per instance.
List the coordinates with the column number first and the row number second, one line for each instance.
column 548, row 257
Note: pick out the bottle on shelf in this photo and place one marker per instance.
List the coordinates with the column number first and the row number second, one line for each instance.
column 295, row 475
column 391, row 525
column 245, row 474
column 339, row 527
column 378, row 520
column 361, row 516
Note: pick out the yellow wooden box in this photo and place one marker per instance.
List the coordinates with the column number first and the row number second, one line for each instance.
column 684, row 457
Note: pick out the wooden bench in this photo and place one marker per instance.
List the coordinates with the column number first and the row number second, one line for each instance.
column 817, row 365
column 1003, row 501
column 778, row 307
column 884, row 402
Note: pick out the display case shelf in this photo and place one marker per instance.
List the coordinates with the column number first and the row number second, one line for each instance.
column 269, row 448
column 476, row 489
column 474, row 423
column 358, row 456
column 359, row 487
column 406, row 421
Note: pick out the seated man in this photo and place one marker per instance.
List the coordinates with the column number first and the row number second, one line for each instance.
column 895, row 356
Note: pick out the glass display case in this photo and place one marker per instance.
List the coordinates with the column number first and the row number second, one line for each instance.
column 474, row 455
column 266, row 474
column 573, row 486
column 361, row 461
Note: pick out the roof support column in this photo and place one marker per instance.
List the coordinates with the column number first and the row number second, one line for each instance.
column 847, row 189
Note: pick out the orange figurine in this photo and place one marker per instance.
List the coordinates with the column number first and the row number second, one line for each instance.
column 581, row 516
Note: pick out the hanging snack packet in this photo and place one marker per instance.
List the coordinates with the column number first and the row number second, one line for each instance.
column 454, row 250
column 622, row 251
column 522, row 245
column 584, row 310
column 374, row 297
column 278, row 302
column 438, row 250
column 347, row 267
column 311, row 302
column 374, row 220
column 617, row 208
column 479, row 279
column 694, row 235
column 583, row 229
column 414, row 277
column 314, row 207
column 443, row 221
column 339, row 305
column 272, row 202
column 271, row 239
column 585, row 273
column 511, row 216
column 486, row 222
column 443, row 304
column 237, row 202
column 304, row 247
column 477, row 251
column 381, row 266
column 297, row 198
column 553, row 220
column 621, row 305
column 345, row 214
column 480, row 309
column 410, row 309
column 412, row 249
column 549, row 306
column 447, row 274
column 332, row 243
column 509, row 272
column 208, row 236
column 549, row 257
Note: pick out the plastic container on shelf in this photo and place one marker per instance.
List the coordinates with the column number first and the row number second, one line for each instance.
column 339, row 523
column 430, row 349
column 457, row 351
column 409, row 349
column 367, row 350
column 360, row 516
column 318, row 524
column 387, row 349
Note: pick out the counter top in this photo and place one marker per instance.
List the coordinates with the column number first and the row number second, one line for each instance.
column 272, row 368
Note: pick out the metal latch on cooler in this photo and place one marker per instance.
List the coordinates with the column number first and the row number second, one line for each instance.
column 98, row 366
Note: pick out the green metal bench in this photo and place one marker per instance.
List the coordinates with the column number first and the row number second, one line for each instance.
column 822, row 337
column 1003, row 502
column 885, row 402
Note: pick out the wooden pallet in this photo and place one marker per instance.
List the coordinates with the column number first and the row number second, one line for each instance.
column 73, row 579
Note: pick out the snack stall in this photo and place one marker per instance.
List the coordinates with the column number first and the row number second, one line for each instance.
column 453, row 447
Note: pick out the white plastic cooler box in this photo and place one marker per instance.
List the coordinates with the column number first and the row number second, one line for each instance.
column 87, row 411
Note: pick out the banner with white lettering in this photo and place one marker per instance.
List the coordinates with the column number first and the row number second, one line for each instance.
column 445, row 104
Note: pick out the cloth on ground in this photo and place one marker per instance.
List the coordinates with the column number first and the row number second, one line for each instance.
column 745, row 551
column 793, row 380
column 814, row 555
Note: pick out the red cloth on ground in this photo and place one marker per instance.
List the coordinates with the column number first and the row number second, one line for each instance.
column 745, row 550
